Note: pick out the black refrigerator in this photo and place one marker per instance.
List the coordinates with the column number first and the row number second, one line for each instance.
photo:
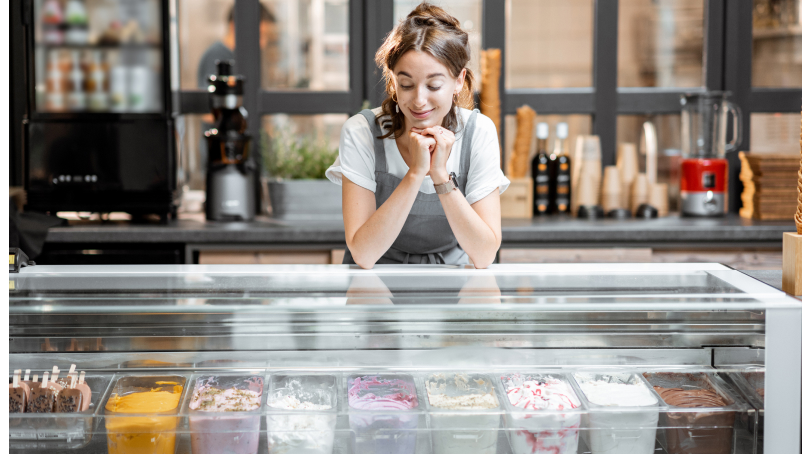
column 98, row 132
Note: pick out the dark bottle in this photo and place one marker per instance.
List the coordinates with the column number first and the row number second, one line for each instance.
column 540, row 171
column 560, row 174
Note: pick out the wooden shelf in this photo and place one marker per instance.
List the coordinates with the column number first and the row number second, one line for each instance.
column 779, row 32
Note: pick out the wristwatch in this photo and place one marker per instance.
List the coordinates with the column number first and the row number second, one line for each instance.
column 448, row 186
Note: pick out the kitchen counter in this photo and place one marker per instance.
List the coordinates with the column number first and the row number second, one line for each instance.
column 668, row 232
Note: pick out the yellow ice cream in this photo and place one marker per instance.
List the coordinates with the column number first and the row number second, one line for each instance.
column 143, row 434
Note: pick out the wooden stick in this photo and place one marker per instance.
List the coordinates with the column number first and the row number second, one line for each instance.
column 81, row 378
column 16, row 377
column 44, row 381
column 27, row 374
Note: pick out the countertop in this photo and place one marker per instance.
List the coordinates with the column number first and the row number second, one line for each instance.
column 671, row 231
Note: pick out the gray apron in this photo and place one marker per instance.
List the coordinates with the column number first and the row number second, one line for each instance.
column 426, row 236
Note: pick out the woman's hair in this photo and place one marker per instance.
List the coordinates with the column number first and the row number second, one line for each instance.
column 429, row 29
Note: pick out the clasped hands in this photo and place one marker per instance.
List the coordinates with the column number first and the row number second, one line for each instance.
column 430, row 149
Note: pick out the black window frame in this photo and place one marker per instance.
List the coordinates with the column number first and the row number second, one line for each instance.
column 727, row 66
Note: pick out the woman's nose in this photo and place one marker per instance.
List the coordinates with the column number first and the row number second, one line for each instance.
column 421, row 97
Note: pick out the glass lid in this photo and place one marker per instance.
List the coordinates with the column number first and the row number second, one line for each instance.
column 551, row 286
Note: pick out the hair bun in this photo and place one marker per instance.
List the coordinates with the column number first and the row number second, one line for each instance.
column 430, row 15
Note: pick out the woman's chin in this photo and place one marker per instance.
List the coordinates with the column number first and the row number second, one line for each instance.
column 426, row 122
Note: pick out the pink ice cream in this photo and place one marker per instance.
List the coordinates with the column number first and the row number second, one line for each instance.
column 404, row 398
column 540, row 433
column 392, row 432
column 547, row 393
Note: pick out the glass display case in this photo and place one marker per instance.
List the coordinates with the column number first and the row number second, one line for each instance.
column 596, row 358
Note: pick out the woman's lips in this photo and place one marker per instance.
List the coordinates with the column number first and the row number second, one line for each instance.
column 421, row 115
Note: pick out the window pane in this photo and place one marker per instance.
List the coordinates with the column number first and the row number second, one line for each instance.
column 577, row 125
column 300, row 146
column 774, row 133
column 204, row 36
column 629, row 129
column 660, row 43
column 307, row 46
column 776, row 43
column 469, row 14
column 549, row 43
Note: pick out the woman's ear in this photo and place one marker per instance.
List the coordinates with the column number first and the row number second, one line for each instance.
column 460, row 81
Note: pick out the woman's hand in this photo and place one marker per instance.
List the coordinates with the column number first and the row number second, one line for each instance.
column 444, row 139
column 420, row 147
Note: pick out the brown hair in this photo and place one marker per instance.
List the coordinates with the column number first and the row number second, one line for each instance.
column 429, row 29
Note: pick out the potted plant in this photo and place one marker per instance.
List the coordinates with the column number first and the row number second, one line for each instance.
column 296, row 168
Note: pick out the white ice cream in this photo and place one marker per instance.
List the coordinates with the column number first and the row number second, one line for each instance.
column 617, row 394
column 625, row 432
column 309, row 433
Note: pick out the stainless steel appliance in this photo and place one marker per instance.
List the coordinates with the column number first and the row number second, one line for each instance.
column 704, row 170
column 316, row 329
column 230, row 174
column 98, row 129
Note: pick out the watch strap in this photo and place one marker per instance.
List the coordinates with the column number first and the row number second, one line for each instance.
column 448, row 186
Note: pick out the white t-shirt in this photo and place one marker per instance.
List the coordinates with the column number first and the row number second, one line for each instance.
column 357, row 158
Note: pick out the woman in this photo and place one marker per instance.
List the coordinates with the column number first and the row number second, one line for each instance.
column 420, row 175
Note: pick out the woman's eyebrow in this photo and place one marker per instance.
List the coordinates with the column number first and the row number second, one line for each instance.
column 404, row 73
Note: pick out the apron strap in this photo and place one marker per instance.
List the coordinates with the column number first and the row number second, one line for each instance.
column 378, row 144
column 467, row 148
column 436, row 258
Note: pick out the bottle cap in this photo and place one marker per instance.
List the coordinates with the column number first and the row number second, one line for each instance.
column 562, row 130
column 542, row 130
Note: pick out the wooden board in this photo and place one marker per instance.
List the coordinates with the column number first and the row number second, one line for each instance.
column 517, row 201
column 265, row 257
column 792, row 263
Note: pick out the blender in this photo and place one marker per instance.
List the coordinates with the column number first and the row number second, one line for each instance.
column 703, row 180
column 230, row 175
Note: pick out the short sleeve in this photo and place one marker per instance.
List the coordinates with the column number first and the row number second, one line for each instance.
column 357, row 157
column 485, row 174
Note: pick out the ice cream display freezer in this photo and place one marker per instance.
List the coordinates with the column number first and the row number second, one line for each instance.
column 596, row 358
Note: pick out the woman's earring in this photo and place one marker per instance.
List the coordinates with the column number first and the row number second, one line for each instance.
column 396, row 108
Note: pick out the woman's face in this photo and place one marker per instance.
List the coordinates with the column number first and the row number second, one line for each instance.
column 425, row 89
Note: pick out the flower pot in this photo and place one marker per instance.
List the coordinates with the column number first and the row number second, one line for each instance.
column 305, row 198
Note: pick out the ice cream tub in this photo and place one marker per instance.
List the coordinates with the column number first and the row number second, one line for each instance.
column 224, row 413
column 301, row 414
column 623, row 412
column 464, row 412
column 59, row 431
column 383, row 412
column 701, row 412
column 543, row 413
column 141, row 413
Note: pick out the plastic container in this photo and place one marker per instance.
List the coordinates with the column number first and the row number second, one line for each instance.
column 622, row 420
column 751, row 384
column 688, row 429
column 214, row 430
column 145, row 431
column 383, row 413
column 58, row 430
column 301, row 414
column 550, row 430
column 464, row 411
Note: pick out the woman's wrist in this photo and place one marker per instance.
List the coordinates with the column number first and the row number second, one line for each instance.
column 439, row 176
column 416, row 176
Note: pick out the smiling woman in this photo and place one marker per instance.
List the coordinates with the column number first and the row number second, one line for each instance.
column 421, row 175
